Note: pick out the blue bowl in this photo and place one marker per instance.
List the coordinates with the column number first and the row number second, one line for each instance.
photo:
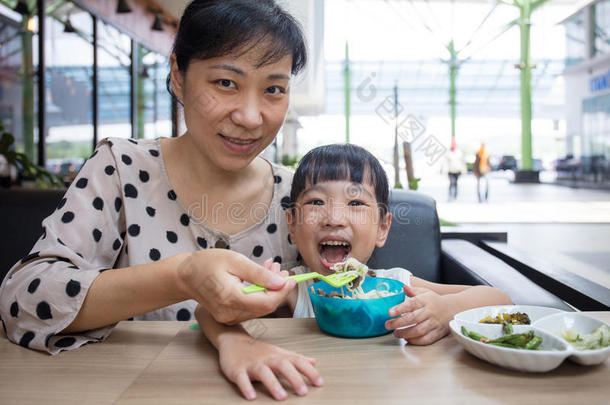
column 355, row 318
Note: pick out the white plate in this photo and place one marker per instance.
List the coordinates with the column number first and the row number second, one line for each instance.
column 534, row 312
column 580, row 323
column 552, row 353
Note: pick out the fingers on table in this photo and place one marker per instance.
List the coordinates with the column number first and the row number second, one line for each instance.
column 428, row 338
column 416, row 331
column 291, row 369
column 409, row 318
column 264, row 374
column 245, row 386
column 287, row 369
column 305, row 366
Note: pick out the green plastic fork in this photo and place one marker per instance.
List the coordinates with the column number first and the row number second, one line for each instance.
column 336, row 280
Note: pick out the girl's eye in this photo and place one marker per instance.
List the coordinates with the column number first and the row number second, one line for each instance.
column 229, row 84
column 315, row 201
column 355, row 203
column 275, row 90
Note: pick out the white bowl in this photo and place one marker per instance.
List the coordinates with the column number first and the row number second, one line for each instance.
column 552, row 352
column 534, row 312
column 580, row 323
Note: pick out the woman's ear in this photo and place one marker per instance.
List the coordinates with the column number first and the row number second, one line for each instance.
column 383, row 230
column 176, row 78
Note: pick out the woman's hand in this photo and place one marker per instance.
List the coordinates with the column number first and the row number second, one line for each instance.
column 244, row 359
column 426, row 313
column 213, row 277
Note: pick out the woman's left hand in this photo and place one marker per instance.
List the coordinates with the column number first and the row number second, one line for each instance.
column 426, row 313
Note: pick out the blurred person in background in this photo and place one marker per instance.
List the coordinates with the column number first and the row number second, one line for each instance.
column 454, row 165
column 481, row 168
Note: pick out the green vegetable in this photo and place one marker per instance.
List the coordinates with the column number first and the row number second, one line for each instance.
column 533, row 343
column 528, row 340
column 476, row 336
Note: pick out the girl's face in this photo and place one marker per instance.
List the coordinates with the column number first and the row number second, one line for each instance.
column 335, row 220
column 232, row 108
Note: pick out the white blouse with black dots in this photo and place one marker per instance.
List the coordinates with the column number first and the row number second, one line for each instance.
column 121, row 211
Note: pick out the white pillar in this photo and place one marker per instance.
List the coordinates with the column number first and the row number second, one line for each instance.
column 289, row 135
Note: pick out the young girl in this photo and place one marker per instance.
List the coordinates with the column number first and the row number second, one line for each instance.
column 340, row 196
column 340, row 210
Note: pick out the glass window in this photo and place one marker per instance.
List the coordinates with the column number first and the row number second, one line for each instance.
column 18, row 84
column 596, row 126
column 69, row 87
column 575, row 39
column 11, row 79
column 602, row 27
column 153, row 100
column 114, row 82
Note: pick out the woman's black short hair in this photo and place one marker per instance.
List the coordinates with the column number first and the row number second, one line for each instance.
column 341, row 162
column 212, row 28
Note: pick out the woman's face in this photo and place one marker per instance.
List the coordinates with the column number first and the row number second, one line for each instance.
column 232, row 108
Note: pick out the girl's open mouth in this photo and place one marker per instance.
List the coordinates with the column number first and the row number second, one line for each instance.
column 333, row 251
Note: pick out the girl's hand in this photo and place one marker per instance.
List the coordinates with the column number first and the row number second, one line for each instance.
column 426, row 313
column 213, row 277
column 244, row 359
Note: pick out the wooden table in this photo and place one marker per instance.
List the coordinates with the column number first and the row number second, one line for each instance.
column 167, row 362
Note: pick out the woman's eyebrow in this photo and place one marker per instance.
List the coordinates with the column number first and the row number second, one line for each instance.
column 231, row 68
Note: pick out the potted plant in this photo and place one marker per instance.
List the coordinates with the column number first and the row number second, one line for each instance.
column 42, row 177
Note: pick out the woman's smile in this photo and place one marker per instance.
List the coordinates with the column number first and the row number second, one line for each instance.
column 240, row 145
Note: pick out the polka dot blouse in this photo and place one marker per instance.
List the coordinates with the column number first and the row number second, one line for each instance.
column 120, row 211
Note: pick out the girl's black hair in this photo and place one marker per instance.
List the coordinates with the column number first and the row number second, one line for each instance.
column 212, row 28
column 341, row 162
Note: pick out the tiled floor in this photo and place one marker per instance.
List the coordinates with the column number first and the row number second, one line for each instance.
column 567, row 227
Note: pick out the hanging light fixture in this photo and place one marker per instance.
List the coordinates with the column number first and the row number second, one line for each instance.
column 158, row 23
column 123, row 7
column 68, row 28
column 22, row 8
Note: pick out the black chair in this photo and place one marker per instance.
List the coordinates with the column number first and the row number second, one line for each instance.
column 22, row 212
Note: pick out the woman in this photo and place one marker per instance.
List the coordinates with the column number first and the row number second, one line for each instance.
column 179, row 221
